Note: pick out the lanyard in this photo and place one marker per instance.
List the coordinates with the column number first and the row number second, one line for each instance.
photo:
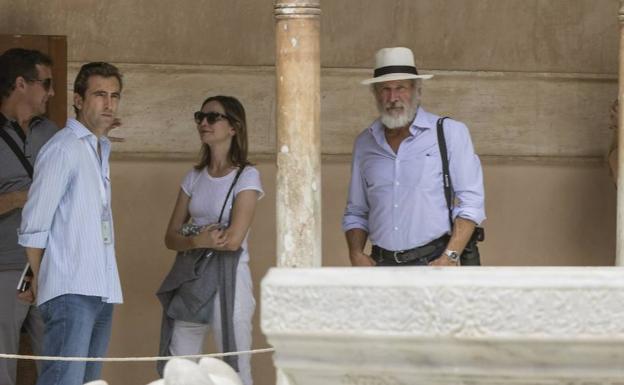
column 95, row 158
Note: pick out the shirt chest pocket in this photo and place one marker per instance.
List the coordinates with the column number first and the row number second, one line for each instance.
column 423, row 171
column 378, row 172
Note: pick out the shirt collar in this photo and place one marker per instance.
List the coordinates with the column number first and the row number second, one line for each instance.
column 423, row 121
column 78, row 128
column 81, row 131
column 33, row 122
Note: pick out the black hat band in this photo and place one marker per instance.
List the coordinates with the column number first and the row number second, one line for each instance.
column 395, row 69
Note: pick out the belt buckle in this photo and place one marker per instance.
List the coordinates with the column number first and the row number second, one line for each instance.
column 394, row 255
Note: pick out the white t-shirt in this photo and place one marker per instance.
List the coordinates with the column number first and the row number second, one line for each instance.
column 208, row 193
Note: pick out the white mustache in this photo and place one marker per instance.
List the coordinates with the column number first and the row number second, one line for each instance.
column 393, row 105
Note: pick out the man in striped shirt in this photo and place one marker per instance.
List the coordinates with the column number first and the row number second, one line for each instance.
column 67, row 230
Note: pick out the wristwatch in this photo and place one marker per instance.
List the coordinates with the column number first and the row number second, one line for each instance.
column 452, row 255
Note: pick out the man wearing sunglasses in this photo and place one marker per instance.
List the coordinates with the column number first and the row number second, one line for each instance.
column 25, row 86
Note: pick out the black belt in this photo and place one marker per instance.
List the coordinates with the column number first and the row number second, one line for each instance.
column 425, row 253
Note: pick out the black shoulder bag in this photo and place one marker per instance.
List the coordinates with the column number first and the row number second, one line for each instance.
column 470, row 256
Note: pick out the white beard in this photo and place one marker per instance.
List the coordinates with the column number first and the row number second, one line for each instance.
column 394, row 121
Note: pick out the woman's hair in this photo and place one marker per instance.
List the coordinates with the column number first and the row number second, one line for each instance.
column 236, row 116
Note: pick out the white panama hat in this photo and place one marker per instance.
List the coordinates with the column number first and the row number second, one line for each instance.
column 395, row 63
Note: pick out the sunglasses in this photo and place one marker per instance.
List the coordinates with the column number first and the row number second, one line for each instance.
column 45, row 83
column 211, row 116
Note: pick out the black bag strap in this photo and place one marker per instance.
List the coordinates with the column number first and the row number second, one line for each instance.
column 448, row 192
column 14, row 147
column 238, row 173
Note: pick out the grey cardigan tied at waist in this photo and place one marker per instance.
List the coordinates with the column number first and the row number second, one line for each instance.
column 188, row 294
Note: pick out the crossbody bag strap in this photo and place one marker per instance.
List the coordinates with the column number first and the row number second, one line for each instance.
column 14, row 147
column 238, row 173
column 448, row 192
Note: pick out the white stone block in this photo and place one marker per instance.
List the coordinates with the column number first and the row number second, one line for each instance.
column 415, row 325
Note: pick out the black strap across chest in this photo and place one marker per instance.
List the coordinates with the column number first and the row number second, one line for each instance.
column 238, row 173
column 14, row 146
column 446, row 175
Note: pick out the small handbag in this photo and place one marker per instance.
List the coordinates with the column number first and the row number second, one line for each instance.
column 470, row 256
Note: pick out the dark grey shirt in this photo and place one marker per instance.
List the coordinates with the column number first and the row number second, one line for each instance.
column 13, row 177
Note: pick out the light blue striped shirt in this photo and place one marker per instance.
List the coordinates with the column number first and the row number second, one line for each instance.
column 399, row 198
column 68, row 198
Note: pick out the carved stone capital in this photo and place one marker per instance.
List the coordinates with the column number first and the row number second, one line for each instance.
column 297, row 9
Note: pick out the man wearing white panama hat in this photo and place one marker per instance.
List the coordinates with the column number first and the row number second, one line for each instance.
column 397, row 195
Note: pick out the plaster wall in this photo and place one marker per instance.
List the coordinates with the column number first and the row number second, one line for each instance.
column 557, row 213
column 571, row 36
column 509, row 114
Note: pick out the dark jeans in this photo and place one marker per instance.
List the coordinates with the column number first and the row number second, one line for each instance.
column 75, row 326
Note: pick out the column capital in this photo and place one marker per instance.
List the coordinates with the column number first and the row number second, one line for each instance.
column 297, row 8
column 620, row 12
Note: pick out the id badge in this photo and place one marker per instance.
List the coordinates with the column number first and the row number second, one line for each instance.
column 107, row 228
column 107, row 233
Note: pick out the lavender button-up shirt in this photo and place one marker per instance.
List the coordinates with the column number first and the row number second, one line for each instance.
column 399, row 198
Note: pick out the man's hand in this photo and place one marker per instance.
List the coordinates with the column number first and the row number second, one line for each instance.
column 443, row 260
column 116, row 123
column 361, row 259
column 356, row 240
column 30, row 295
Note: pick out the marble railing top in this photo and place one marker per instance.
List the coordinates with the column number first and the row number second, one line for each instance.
column 562, row 303
column 605, row 276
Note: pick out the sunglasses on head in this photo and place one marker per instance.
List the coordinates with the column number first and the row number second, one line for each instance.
column 211, row 116
column 45, row 83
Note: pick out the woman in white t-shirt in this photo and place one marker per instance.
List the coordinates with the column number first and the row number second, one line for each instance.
column 222, row 128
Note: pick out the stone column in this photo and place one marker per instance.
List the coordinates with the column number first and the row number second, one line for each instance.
column 619, row 252
column 297, row 26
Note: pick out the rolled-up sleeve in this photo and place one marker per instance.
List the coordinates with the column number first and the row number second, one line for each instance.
column 50, row 181
column 466, row 176
column 356, row 212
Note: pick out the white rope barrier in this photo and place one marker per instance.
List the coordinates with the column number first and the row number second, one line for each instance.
column 132, row 359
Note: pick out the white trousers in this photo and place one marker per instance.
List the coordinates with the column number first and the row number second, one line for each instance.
column 188, row 337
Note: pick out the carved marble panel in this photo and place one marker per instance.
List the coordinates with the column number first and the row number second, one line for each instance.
column 446, row 326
